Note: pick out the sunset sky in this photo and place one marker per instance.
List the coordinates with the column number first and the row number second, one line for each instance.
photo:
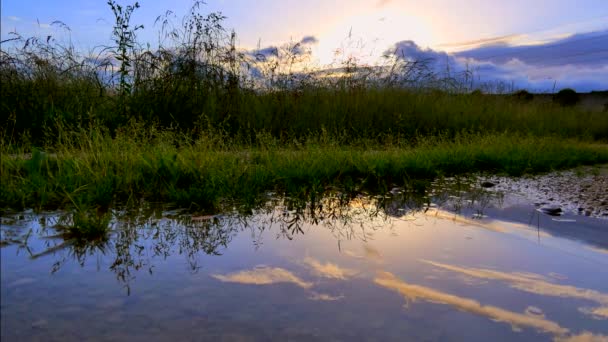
column 534, row 43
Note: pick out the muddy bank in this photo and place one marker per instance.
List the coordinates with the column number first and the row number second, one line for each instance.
column 581, row 191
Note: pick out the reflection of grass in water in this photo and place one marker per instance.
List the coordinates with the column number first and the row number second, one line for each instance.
column 134, row 237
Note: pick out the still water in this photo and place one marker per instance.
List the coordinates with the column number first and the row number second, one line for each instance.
column 362, row 268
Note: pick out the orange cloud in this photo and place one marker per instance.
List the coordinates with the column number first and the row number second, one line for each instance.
column 537, row 284
column 329, row 270
column 263, row 276
column 516, row 320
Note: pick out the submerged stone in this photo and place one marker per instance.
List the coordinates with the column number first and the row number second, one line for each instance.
column 487, row 184
column 552, row 210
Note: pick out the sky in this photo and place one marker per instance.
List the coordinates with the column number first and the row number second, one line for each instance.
column 533, row 43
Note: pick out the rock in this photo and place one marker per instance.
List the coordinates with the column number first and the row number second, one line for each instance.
column 487, row 184
column 552, row 210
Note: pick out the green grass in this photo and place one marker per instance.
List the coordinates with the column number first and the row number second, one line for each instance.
column 97, row 170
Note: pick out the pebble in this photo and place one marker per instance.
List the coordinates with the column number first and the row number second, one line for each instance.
column 552, row 210
column 487, row 184
column 581, row 191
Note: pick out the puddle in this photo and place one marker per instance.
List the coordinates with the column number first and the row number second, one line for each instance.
column 455, row 265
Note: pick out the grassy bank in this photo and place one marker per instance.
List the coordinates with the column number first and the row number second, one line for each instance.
column 96, row 170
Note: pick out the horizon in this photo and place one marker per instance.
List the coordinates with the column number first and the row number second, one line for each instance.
column 502, row 43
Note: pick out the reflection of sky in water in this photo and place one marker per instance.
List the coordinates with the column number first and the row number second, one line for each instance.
column 426, row 277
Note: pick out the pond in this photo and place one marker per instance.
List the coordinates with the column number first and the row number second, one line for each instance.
column 451, row 265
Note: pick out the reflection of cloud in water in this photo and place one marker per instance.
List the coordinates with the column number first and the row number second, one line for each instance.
column 598, row 249
column 263, row 275
column 584, row 337
column 537, row 284
column 329, row 270
column 597, row 313
column 353, row 254
column 371, row 253
column 516, row 320
column 324, row 297
column 534, row 311
column 557, row 276
column 471, row 281
column 496, row 226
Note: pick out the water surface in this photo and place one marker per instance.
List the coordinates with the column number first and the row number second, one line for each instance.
column 363, row 268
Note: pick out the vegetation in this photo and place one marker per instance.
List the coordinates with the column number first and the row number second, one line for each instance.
column 198, row 122
column 523, row 95
column 567, row 97
column 93, row 168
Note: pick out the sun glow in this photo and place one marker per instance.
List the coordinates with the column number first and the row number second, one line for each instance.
column 367, row 36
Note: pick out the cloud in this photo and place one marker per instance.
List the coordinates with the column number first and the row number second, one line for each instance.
column 585, row 49
column 537, row 284
column 600, row 313
column 309, row 40
column 516, row 320
column 382, row 3
column 371, row 253
column 13, row 18
column 328, row 270
column 301, row 47
column 579, row 61
column 409, row 50
column 485, row 41
column 263, row 275
column 324, row 297
column 584, row 337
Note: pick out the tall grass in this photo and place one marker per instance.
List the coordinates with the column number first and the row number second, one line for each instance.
column 197, row 79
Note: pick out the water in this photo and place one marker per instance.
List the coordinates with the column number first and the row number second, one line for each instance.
column 470, row 267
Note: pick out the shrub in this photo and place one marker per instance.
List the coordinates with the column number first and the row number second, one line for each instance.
column 566, row 97
column 523, row 95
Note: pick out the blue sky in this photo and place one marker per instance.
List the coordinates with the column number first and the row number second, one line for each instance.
column 474, row 30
